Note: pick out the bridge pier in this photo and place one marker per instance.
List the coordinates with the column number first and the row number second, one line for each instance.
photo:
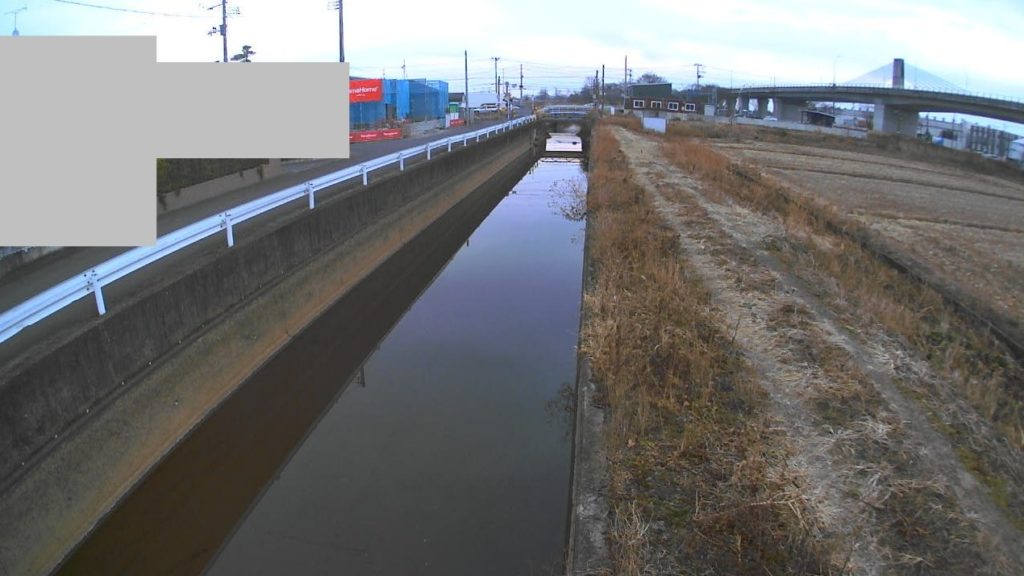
column 730, row 105
column 895, row 120
column 762, row 107
column 787, row 110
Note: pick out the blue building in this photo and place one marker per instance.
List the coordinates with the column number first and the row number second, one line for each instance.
column 403, row 101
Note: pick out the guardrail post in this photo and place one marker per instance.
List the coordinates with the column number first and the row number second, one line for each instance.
column 226, row 223
column 401, row 161
column 465, row 141
column 428, row 151
column 312, row 195
column 365, row 180
column 97, row 291
column 449, row 144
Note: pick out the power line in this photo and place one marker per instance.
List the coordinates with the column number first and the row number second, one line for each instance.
column 130, row 10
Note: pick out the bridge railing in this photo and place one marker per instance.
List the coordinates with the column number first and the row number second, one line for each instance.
column 566, row 110
column 94, row 279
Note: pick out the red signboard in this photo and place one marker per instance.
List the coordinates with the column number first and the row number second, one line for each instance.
column 456, row 122
column 365, row 90
column 373, row 135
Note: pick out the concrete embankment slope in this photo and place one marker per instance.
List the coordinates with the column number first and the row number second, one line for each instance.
column 97, row 410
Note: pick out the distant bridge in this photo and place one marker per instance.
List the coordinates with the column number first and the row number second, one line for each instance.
column 896, row 109
column 898, row 98
column 566, row 111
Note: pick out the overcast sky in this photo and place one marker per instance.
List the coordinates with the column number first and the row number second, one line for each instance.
column 975, row 44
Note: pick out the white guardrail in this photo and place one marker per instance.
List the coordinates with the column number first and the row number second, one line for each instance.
column 94, row 279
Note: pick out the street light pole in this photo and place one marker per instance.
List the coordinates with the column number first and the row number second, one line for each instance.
column 834, row 62
column 15, row 12
column 341, row 27
column 341, row 31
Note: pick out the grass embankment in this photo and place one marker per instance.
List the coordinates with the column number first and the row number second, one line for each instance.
column 843, row 260
column 698, row 478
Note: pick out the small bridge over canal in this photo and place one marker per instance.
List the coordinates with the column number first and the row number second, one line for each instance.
column 559, row 122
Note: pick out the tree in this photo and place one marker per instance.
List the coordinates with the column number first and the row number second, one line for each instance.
column 650, row 78
column 543, row 94
column 584, row 96
column 613, row 93
column 244, row 56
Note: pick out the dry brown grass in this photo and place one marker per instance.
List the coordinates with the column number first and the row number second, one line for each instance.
column 631, row 122
column 699, row 482
column 849, row 266
column 888, row 145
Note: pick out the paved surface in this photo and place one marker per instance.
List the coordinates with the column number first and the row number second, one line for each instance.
column 25, row 282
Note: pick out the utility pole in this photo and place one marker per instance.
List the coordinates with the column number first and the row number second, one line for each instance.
column 465, row 95
column 625, row 75
column 520, row 84
column 603, row 94
column 223, row 29
column 497, row 85
column 224, row 26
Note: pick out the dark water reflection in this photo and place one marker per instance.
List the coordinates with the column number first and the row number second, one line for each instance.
column 450, row 452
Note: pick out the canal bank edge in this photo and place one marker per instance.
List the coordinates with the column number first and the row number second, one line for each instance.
column 587, row 550
column 63, row 496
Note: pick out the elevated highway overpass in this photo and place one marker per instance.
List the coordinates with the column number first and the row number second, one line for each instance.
column 896, row 109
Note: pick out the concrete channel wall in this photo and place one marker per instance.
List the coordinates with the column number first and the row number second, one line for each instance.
column 148, row 365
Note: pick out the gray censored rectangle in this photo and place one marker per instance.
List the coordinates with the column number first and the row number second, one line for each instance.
column 87, row 117
column 253, row 110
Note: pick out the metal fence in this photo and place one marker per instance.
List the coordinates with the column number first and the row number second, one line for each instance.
column 93, row 280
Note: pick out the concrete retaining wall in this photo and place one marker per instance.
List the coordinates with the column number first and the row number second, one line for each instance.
column 204, row 191
column 42, row 398
column 13, row 258
column 420, row 128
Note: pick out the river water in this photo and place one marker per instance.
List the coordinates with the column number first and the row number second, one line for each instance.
column 420, row 425
column 449, row 451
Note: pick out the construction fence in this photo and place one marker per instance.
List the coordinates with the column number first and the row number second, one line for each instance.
column 402, row 101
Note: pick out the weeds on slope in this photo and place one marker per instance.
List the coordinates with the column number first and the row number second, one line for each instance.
column 845, row 260
column 699, row 483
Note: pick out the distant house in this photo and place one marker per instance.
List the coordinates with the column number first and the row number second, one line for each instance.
column 662, row 91
column 659, row 107
column 478, row 99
